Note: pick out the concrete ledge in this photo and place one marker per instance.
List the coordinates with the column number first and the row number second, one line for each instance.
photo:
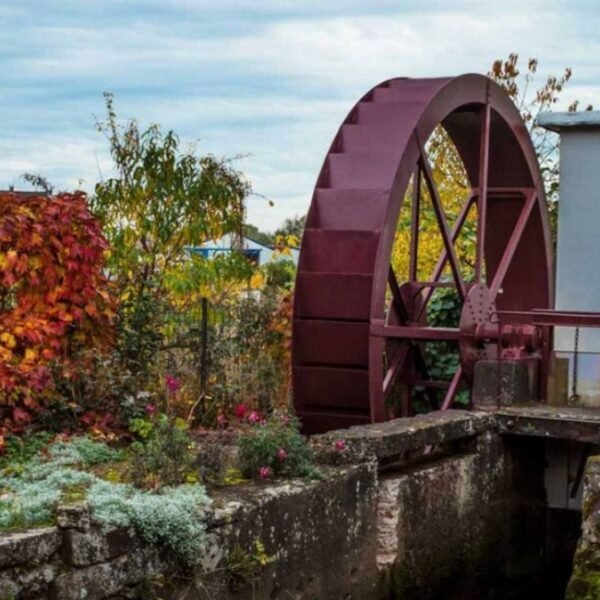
column 390, row 440
column 556, row 121
column 566, row 423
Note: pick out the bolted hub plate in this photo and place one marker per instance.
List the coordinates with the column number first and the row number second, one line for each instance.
column 478, row 333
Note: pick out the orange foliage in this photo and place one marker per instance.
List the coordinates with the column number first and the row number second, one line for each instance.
column 54, row 297
column 282, row 353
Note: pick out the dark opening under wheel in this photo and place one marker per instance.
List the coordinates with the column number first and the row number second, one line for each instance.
column 349, row 349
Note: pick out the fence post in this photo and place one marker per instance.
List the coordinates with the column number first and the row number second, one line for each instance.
column 204, row 347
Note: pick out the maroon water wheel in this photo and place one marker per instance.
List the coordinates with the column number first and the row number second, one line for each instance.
column 360, row 331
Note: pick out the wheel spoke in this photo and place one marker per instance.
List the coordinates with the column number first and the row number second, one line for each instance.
column 442, row 223
column 399, row 303
column 513, row 243
column 403, row 315
column 416, row 332
column 453, row 389
column 484, row 153
column 414, row 233
column 396, row 364
column 441, row 263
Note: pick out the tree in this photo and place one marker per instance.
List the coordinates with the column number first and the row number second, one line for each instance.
column 162, row 201
column 254, row 233
column 451, row 178
column 293, row 226
column 517, row 85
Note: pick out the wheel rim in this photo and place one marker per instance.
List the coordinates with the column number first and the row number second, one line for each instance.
column 346, row 351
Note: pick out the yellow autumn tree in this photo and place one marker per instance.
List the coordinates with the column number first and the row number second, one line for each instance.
column 450, row 176
column 451, row 181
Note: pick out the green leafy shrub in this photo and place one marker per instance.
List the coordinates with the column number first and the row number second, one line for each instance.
column 165, row 456
column 103, row 397
column 276, row 447
column 20, row 449
column 442, row 358
column 246, row 365
column 280, row 273
column 213, row 458
column 243, row 568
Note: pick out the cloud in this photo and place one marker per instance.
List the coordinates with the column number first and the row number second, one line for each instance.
column 269, row 79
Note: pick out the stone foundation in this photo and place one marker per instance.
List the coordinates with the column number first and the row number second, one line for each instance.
column 437, row 506
column 440, row 523
column 585, row 579
column 319, row 541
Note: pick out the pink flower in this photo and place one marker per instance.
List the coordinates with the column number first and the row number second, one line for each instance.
column 340, row 445
column 173, row 384
column 150, row 409
column 282, row 454
column 240, row 411
column 264, row 472
column 254, row 417
column 221, row 420
column 285, row 419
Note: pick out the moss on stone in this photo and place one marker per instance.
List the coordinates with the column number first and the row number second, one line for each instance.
column 584, row 584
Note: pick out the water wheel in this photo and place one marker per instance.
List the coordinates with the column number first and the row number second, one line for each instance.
column 360, row 329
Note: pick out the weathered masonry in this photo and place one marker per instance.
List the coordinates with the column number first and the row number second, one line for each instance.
column 452, row 505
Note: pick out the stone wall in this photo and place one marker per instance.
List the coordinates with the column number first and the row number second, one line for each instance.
column 319, row 541
column 585, row 579
column 428, row 507
column 441, row 524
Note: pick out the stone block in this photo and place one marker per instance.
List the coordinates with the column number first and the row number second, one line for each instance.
column 29, row 547
column 585, row 579
column 390, row 440
column 27, row 582
column 82, row 548
column 558, row 382
column 109, row 578
column 319, row 536
column 74, row 515
column 441, row 522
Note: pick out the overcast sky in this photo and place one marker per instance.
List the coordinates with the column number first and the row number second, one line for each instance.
column 271, row 79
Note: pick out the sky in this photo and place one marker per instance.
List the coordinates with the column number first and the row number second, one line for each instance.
column 266, row 80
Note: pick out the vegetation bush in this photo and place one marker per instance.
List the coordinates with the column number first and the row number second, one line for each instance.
column 133, row 287
column 162, row 204
column 173, row 517
column 249, row 353
column 273, row 447
column 55, row 301
column 165, row 454
column 162, row 201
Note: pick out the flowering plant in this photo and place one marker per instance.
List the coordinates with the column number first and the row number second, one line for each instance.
column 274, row 446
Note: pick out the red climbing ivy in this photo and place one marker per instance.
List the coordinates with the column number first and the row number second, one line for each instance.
column 54, row 297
